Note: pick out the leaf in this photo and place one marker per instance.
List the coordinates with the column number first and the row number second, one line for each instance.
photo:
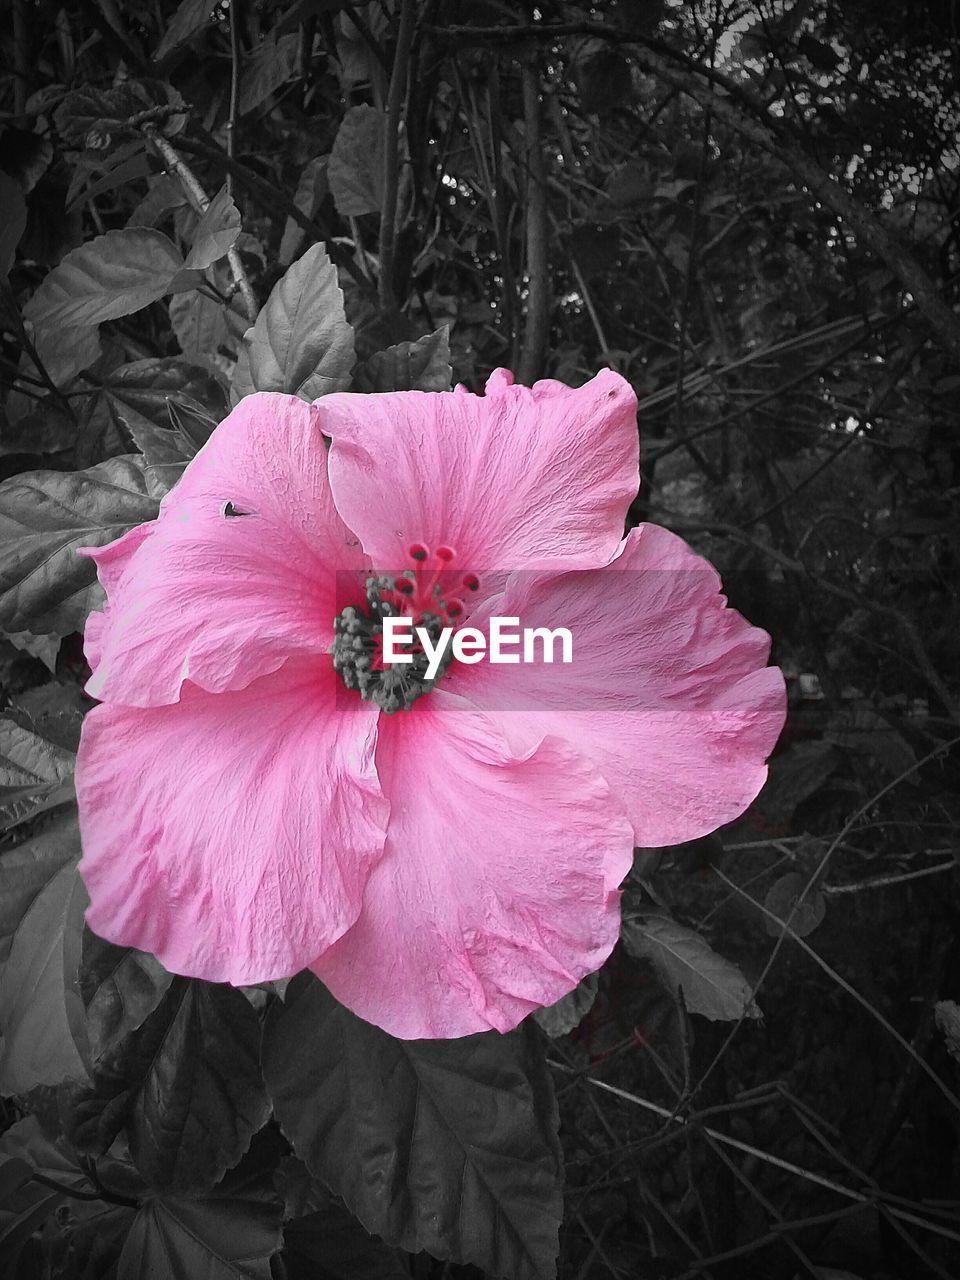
column 26, row 870
column 14, row 220
column 26, row 1142
column 781, row 899
column 263, row 70
column 121, row 988
column 794, row 777
column 64, row 350
column 41, row 1011
column 947, row 1016
column 712, row 986
column 15, row 1234
column 205, row 1238
column 199, row 324
column 184, row 1087
column 355, row 171
column 34, row 774
column 445, row 1145
column 301, row 342
column 54, row 711
column 91, row 117
column 560, row 1018
column 605, row 82
column 55, row 1158
column 44, row 516
column 14, row 1173
column 216, row 232
column 44, row 648
column 423, row 365
column 109, row 276
column 311, row 189
column 191, row 15
column 862, row 731
column 331, row 1245
column 141, row 393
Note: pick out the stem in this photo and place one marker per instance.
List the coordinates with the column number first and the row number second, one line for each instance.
column 391, row 155
column 758, row 1153
column 200, row 200
column 109, row 1196
column 234, row 87
column 537, row 330
column 21, row 57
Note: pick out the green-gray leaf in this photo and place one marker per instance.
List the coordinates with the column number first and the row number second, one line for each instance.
column 560, row 1018
column 302, row 342
column 185, row 1087
column 265, row 68
column 216, row 232
column 44, row 516
column 356, row 163
column 445, row 1145
column 34, row 774
column 42, row 901
column 684, row 961
column 191, row 15
column 423, row 365
column 110, row 276
column 209, row 1238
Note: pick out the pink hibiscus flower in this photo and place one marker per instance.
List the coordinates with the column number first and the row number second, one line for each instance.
column 257, row 795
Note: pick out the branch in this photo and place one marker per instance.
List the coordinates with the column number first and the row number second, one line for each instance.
column 234, row 87
column 391, row 155
column 906, row 623
column 274, row 198
column 199, row 200
column 537, row 332
column 749, row 116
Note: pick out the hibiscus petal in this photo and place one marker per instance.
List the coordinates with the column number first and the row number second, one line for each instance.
column 519, row 478
column 668, row 693
column 497, row 891
column 111, row 561
column 231, row 834
column 237, row 575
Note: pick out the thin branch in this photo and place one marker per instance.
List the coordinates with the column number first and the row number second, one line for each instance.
column 883, row 882
column 537, row 330
column 393, row 121
column 234, row 87
column 767, row 1157
column 199, row 200
column 841, row 982
column 750, row 116
column 101, row 1195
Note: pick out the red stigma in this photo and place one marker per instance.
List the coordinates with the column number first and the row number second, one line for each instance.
column 418, row 552
column 471, row 582
column 445, row 554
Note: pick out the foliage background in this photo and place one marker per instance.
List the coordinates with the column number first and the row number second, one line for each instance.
column 752, row 211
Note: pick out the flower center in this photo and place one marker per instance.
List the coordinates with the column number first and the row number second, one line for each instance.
column 418, row 593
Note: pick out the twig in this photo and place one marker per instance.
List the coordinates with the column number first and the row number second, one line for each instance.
column 907, row 625
column 200, row 200
column 882, row 882
column 751, row 117
column 537, row 328
column 393, row 120
column 234, row 87
column 851, row 991
column 767, row 1157
column 109, row 1196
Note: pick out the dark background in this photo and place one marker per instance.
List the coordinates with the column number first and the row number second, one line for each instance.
column 752, row 211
